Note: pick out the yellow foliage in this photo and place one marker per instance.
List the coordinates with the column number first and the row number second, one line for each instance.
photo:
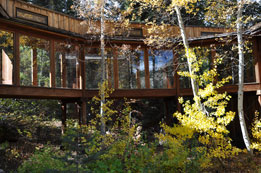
column 256, row 132
column 208, row 124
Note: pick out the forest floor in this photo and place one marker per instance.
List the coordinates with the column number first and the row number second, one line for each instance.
column 33, row 133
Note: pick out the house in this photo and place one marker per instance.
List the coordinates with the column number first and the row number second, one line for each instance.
column 47, row 54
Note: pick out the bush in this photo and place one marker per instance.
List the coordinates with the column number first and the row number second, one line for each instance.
column 42, row 161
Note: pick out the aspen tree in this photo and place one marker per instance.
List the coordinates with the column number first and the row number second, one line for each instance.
column 240, row 99
column 224, row 13
column 90, row 11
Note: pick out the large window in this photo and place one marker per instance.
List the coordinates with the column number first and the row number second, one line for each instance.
column 93, row 66
column 6, row 57
column 67, row 65
column 161, row 68
column 229, row 65
column 34, row 62
column 131, row 69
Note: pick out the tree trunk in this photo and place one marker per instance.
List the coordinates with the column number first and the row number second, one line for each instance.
column 241, row 78
column 103, row 70
column 194, row 83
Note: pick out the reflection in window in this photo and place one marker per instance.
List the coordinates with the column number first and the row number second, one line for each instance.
column 249, row 71
column 66, row 65
column 34, row 62
column 109, row 66
column 6, row 57
column 131, row 69
column 93, row 66
column 203, row 55
column 229, row 66
column 161, row 68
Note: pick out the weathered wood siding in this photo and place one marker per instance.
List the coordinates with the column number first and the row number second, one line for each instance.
column 64, row 22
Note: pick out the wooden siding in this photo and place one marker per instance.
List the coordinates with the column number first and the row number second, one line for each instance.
column 64, row 22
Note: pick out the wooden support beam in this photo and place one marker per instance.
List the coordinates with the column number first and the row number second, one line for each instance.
column 83, row 112
column 115, row 68
column 63, row 70
column 82, row 65
column 146, row 66
column 257, row 57
column 16, row 59
column 63, row 106
column 52, row 64
column 168, row 117
column 109, row 72
column 77, row 105
column 34, row 67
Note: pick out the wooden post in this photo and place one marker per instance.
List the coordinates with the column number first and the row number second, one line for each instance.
column 83, row 112
column 34, row 67
column 78, row 112
column 82, row 72
column 257, row 57
column 63, row 117
column 115, row 68
column 17, row 59
column 52, row 64
column 176, row 78
column 109, row 72
column 146, row 66
column 168, row 120
column 63, row 70
column 138, row 73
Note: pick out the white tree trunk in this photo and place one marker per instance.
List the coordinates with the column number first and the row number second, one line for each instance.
column 103, row 69
column 241, row 78
column 194, row 83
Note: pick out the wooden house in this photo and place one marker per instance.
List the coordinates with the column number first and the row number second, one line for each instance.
column 49, row 55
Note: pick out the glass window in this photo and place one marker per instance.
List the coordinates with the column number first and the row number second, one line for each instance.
column 66, row 65
column 6, row 57
column 93, row 67
column 34, row 62
column 249, row 71
column 161, row 68
column 131, row 69
column 229, row 65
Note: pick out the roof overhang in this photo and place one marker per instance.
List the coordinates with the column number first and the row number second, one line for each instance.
column 3, row 12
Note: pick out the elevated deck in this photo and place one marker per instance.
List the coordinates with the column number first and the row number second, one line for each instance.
column 49, row 55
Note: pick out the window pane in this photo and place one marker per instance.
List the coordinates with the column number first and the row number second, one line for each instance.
column 249, row 75
column 161, row 68
column 229, row 65
column 93, row 67
column 6, row 57
column 34, row 62
column 131, row 69
column 66, row 65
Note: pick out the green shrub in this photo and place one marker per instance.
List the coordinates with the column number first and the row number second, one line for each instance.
column 42, row 161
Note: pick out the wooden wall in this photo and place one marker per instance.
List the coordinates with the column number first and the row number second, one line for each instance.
column 64, row 22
